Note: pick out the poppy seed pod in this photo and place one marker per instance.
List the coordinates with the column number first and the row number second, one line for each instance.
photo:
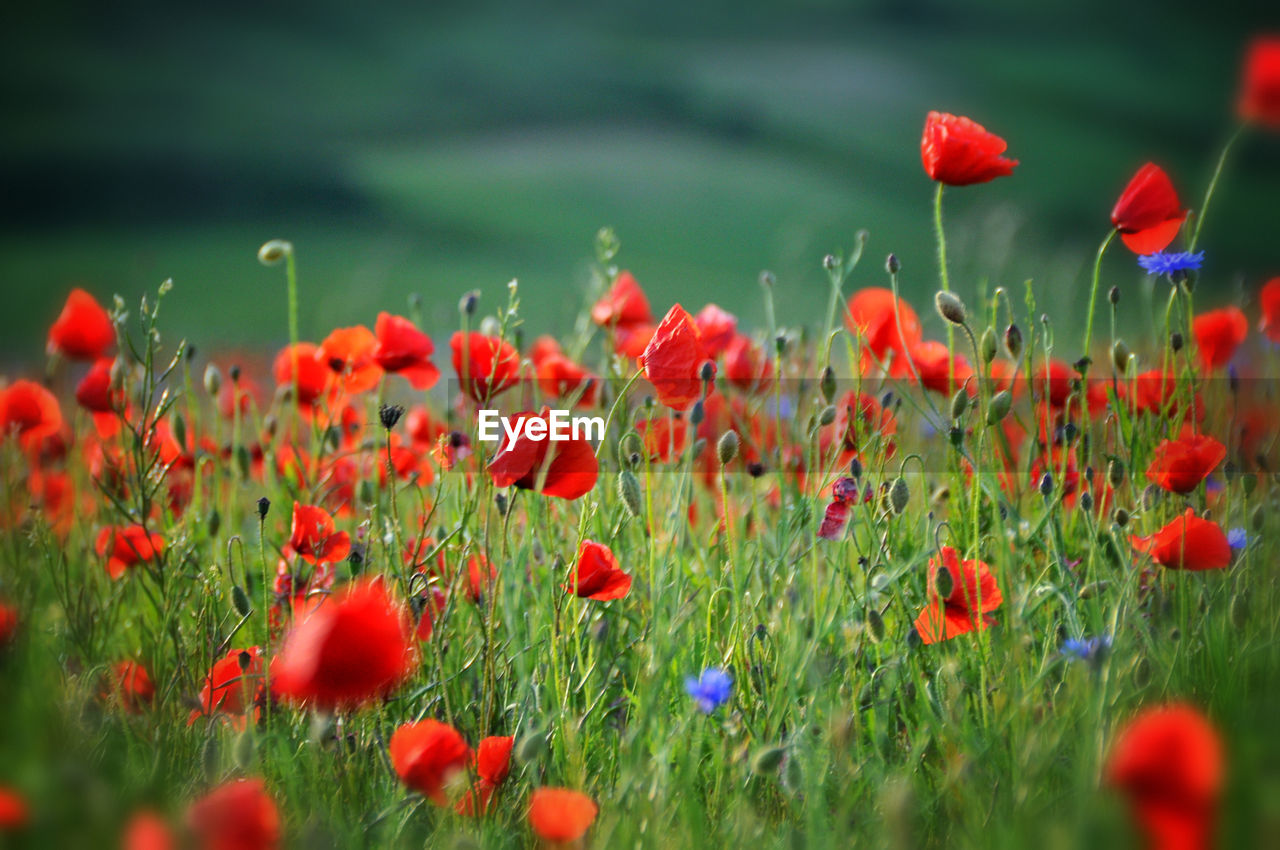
column 389, row 415
column 1013, row 341
column 949, row 307
column 212, row 379
column 274, row 251
column 899, row 495
column 999, row 406
column 1120, row 356
column 629, row 492
column 264, row 505
column 989, row 344
column 727, row 447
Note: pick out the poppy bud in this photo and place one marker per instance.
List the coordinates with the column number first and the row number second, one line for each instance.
column 1175, row 341
column 989, row 344
column 215, row 522
column 998, row 408
column 240, row 600
column 264, row 505
column 489, row 326
column 1013, row 341
column 1086, row 501
column 913, row 639
column 180, row 429
column 270, row 424
column 892, row 264
column 1120, row 356
column 212, row 379
column 1082, row 367
column 244, row 750
column 956, row 435
column 830, row 263
column 1151, row 496
column 699, row 445
column 243, row 461
column 697, row 413
column 959, row 403
column 828, row 384
column 899, row 495
column 949, row 307
column 1120, row 517
column 827, row 416
column 767, row 760
column 467, row 304
column 780, row 343
column 629, row 492
column 767, row 280
column 234, row 372
column 727, row 447
column 1046, row 485
column 366, row 492
column 531, row 746
column 855, row 469
column 755, row 469
column 875, row 626
column 1113, row 295
column 1115, row 472
column 274, row 251
column 500, row 502
column 389, row 415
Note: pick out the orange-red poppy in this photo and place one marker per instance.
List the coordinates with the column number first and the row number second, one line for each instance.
column 427, row 756
column 1269, row 301
column 663, row 437
column 314, row 377
column 8, row 622
column 673, row 359
column 238, row 815
column 30, row 411
column 560, row 377
column 146, row 830
column 14, row 813
column 624, row 305
column 127, row 546
column 747, row 366
column 1148, row 214
column 974, row 594
column 717, row 328
column 313, row 536
column 872, row 317
column 492, row 764
column 564, row 468
column 1260, row 87
column 597, row 574
column 560, row 814
column 938, row 369
column 349, row 354
column 485, row 365
column 131, row 685
column 1187, row 543
column 233, row 686
column 960, row 152
column 404, row 350
column 1180, row 465
column 1218, row 334
column 82, row 330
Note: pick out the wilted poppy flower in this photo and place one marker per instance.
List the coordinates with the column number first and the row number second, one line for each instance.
column 960, row 152
column 844, row 495
column 127, row 546
column 491, row 365
column 131, row 685
column 717, row 329
column 313, row 536
column 672, row 359
column 566, row 469
column 1218, row 334
column 13, row 810
column 1148, row 214
column 624, row 305
column 349, row 353
column 972, row 595
column 146, row 830
column 404, row 350
column 427, row 755
column 238, row 815
column 82, row 330
column 1168, row 762
column 1180, row 465
column 1187, row 543
column 871, row 317
column 746, row 366
column 1260, row 89
column 233, row 686
column 1269, row 301
column 561, row 815
column 30, row 411
column 356, row 646
column 313, row 374
column 597, row 574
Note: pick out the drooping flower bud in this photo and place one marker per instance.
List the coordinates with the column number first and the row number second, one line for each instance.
column 274, row 251
column 1120, row 356
column 899, row 495
column 629, row 492
column 949, row 307
column 1013, row 341
column 212, row 379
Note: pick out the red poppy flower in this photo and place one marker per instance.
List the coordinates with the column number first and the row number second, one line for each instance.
column 597, row 575
column 1053, row 380
column 492, row 365
column 1148, row 213
column 559, row 814
column 422, row 428
column 973, row 595
column 30, row 411
column 624, row 305
column 404, row 350
column 566, row 469
column 663, row 437
column 349, row 353
column 717, row 329
column 238, row 815
column 559, row 376
column 746, row 366
column 356, row 646
column 427, row 755
column 1260, row 91
column 1157, row 392
column 131, row 685
column 871, row 316
column 13, row 810
column 127, row 546
column 8, row 623
column 960, row 152
column 1168, row 762
column 1180, row 465
column 314, row 376
column 146, row 830
column 1187, row 543
column 859, row 418
column 82, row 330
column 632, row 340
column 313, row 536
column 1218, row 334
column 934, row 363
column 492, row 764
column 233, row 686
column 1269, row 300
column 481, row 574
column 672, row 359
column 238, row 397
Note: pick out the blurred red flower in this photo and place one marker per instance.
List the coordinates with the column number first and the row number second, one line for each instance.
column 131, row 685
column 960, row 152
column 964, row 608
column 624, row 305
column 82, row 330
column 404, row 350
column 561, row 815
column 1269, row 300
column 1168, row 762
column 1187, row 543
column 566, row 469
column 238, row 815
column 871, row 316
column 8, row 623
column 13, row 810
column 672, row 359
column 427, row 755
column 94, row 394
column 934, row 363
column 663, row 437
column 127, row 546
column 233, row 686
column 1218, row 334
column 30, row 411
column 560, row 377
column 1148, row 214
column 746, row 365
column 313, row 536
column 491, row 365
column 492, row 763
column 313, row 375
column 1180, row 465
column 597, row 574
column 349, row 354
column 717, row 329
column 1260, row 89
column 146, row 830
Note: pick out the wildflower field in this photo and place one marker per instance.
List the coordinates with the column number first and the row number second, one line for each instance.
column 959, row 574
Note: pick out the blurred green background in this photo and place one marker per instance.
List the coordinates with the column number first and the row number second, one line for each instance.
column 439, row 147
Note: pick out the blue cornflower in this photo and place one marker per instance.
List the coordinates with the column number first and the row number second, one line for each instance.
column 1237, row 538
column 710, row 690
column 1086, row 649
column 1163, row 262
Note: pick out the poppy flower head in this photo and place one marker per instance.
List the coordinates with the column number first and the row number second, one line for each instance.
column 560, row 814
column 597, row 574
column 1187, row 543
column 960, row 152
column 1218, row 334
column 673, row 358
column 83, row 330
column 1260, row 88
column 871, row 316
column 566, row 469
column 314, row 377
column 1148, row 214
column 314, row 538
column 485, row 365
column 971, row 594
column 127, row 546
column 493, row 759
column 717, row 329
column 747, row 366
column 1180, row 465
column 559, row 376
column 938, row 369
column 349, row 354
column 404, row 350
column 233, row 686
column 30, row 411
column 131, row 685
column 94, row 390
column 427, row 756
column 1269, row 301
column 624, row 305
column 238, row 815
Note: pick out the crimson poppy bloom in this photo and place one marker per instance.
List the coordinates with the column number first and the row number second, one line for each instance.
column 354, row 647
column 1148, row 214
column 1168, row 762
column 313, row 536
column 146, row 830
column 127, row 546
column 559, row 376
column 13, row 810
column 82, row 330
column 624, row 305
column 95, row 395
column 1218, row 334
column 492, row 764
column 1269, row 300
column 131, row 685
column 491, row 365
column 860, row 418
column 566, row 469
column 233, row 686
column 673, row 358
column 1260, row 89
column 717, row 328
column 938, row 369
column 663, row 437
column 1187, row 543
column 314, row 378
column 746, row 366
column 1157, row 392
column 560, row 814
column 349, row 353
column 597, row 574
column 8, row 623
column 238, row 815
column 960, row 152
column 427, row 755
column 30, row 411
column 871, row 317
column 1052, row 381
column 1180, row 465
column 631, row 341
column 404, row 350
column 973, row 595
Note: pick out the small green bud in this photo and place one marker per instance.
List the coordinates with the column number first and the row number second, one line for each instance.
column 629, row 492
column 999, row 406
column 767, row 760
column 212, row 379
column 240, row 601
column 899, row 495
column 950, row 307
column 828, row 384
column 1120, row 356
column 1013, row 341
column 959, row 403
column 274, row 251
column 988, row 345
column 727, row 447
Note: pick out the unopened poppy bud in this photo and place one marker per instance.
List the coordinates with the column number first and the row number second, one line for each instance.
column 1151, row 496
column 780, row 343
column 489, row 326
column 827, row 416
column 500, row 502
column 234, row 372
column 998, row 407
column 1120, row 517
column 271, row 425
column 727, row 447
column 274, row 251
column 1086, row 501
column 467, row 304
column 180, row 429
column 892, row 264
column 828, row 384
column 699, row 446
column 899, row 495
column 956, row 435
column 243, row 461
column 944, row 583
column 989, row 344
column 240, row 600
column 855, row 469
column 959, row 403
column 697, row 413
column 366, row 492
column 1013, row 341
column 767, row 760
column 1046, row 485
column 830, row 263
column 1113, row 295
column 767, row 280
column 707, row 371
column 1115, row 472
column 755, row 469
column 949, row 307
column 389, row 415
column 215, row 523
column 264, row 505
column 244, row 750
column 212, row 379
column 1175, row 341
column 1120, row 356
column 629, row 492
